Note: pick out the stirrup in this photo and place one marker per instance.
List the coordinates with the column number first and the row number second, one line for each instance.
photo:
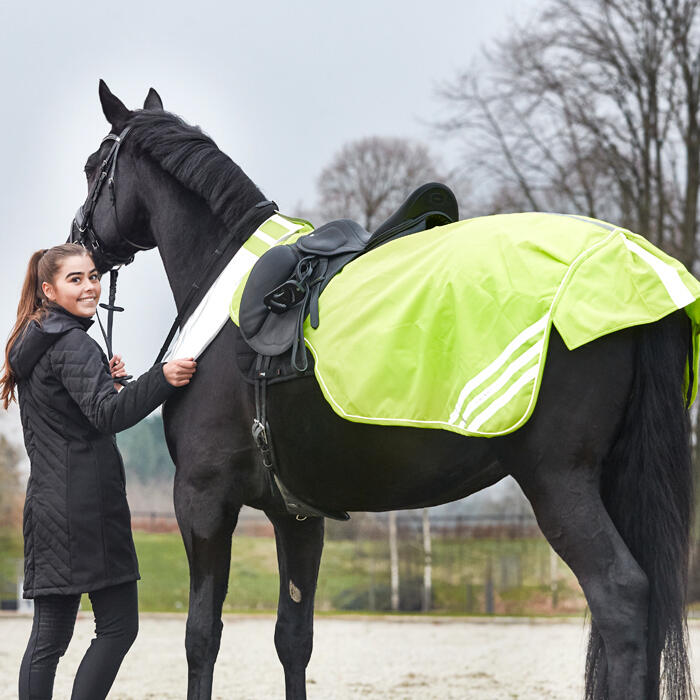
column 285, row 296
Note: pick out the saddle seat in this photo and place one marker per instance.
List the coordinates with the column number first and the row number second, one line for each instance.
column 284, row 285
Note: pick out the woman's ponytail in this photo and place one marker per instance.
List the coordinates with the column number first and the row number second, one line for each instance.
column 32, row 298
column 43, row 267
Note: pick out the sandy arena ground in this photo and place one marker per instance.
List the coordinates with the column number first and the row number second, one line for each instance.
column 398, row 658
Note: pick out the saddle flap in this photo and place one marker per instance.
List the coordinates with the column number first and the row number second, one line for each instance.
column 270, row 271
column 276, row 334
column 335, row 238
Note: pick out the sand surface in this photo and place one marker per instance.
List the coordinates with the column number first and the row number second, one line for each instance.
column 353, row 658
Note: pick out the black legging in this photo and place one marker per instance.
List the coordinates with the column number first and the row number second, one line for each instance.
column 116, row 627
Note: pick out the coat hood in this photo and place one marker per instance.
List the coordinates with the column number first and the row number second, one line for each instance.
column 38, row 337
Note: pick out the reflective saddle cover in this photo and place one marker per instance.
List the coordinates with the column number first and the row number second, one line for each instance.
column 285, row 283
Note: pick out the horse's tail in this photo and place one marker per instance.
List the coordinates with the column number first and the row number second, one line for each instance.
column 648, row 491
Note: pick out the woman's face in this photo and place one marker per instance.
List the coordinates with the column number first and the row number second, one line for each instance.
column 76, row 286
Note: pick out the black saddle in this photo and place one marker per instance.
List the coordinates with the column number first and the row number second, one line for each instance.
column 284, row 285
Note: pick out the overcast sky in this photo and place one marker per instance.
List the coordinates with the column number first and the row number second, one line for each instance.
column 280, row 86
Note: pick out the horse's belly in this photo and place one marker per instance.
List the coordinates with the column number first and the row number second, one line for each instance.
column 339, row 464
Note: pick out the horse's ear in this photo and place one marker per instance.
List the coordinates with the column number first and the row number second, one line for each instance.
column 153, row 100
column 114, row 109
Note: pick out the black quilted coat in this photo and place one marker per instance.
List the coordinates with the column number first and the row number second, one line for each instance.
column 77, row 525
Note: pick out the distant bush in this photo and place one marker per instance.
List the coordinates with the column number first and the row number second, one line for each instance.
column 144, row 450
column 11, row 496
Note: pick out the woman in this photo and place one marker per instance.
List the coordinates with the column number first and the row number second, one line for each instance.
column 77, row 529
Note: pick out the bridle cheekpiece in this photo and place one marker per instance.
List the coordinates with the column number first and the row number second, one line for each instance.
column 82, row 228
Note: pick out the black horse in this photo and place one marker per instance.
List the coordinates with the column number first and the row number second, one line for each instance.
column 604, row 459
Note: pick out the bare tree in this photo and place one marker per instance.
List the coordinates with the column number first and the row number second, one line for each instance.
column 685, row 31
column 369, row 178
column 594, row 109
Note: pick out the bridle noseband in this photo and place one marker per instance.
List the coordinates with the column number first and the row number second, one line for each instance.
column 82, row 228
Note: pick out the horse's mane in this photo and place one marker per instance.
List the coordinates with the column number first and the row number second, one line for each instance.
column 196, row 162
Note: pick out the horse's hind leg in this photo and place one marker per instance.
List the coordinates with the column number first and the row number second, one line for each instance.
column 207, row 529
column 299, row 546
column 572, row 517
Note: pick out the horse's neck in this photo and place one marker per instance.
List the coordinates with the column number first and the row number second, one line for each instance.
column 187, row 233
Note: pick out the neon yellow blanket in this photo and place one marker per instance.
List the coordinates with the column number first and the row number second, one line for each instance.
column 449, row 328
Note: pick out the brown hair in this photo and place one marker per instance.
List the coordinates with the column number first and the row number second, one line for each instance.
column 43, row 267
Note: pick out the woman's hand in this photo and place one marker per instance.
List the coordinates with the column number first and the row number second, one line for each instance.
column 117, row 368
column 179, row 372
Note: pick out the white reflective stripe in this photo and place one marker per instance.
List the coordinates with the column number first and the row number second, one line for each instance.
column 524, row 359
column 669, row 277
column 291, row 226
column 501, row 401
column 265, row 238
column 485, row 373
column 205, row 322
column 212, row 312
column 282, row 239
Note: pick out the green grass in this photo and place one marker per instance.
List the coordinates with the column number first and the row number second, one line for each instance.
column 354, row 576
column 164, row 582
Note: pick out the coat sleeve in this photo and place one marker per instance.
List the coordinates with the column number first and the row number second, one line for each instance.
column 80, row 366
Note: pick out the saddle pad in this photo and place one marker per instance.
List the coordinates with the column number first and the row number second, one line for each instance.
column 449, row 328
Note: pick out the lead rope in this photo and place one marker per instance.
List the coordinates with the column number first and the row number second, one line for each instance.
column 111, row 308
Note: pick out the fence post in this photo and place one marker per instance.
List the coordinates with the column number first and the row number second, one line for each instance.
column 428, row 562
column 372, row 599
column 489, row 602
column 553, row 578
column 394, row 561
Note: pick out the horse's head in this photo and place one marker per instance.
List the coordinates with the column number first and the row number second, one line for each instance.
column 113, row 223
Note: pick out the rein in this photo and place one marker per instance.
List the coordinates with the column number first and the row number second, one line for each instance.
column 111, row 308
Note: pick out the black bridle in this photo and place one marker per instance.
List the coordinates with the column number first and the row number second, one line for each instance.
column 83, row 232
column 82, row 228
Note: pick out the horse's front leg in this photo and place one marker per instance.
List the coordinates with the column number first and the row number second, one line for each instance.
column 206, row 522
column 299, row 546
